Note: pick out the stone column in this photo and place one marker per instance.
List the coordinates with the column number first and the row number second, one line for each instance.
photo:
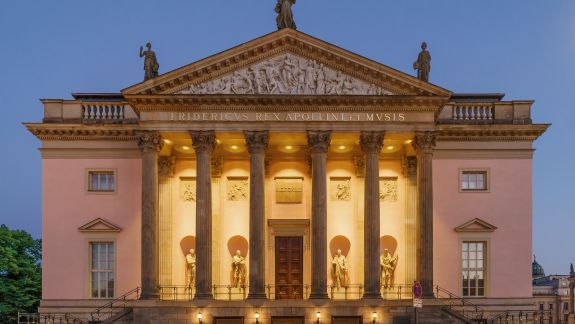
column 166, row 166
column 409, row 164
column 257, row 142
column 371, row 143
column 424, row 143
column 318, row 142
column 571, row 318
column 150, row 143
column 204, row 143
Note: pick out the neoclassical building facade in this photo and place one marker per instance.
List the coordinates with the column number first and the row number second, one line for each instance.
column 285, row 180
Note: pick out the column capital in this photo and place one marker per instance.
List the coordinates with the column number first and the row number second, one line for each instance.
column 203, row 141
column 318, row 141
column 166, row 166
column 149, row 141
column 424, row 142
column 371, row 142
column 256, row 141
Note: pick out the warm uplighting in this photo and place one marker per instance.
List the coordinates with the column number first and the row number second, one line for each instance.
column 342, row 147
column 234, row 147
column 408, row 141
column 373, row 317
column 317, row 315
column 167, row 141
column 257, row 317
column 289, row 147
column 200, row 317
column 390, row 147
column 185, row 148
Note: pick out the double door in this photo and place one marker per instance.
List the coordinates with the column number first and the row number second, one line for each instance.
column 289, row 267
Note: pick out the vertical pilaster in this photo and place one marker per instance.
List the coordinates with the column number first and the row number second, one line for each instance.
column 165, row 174
column 204, row 143
column 371, row 144
column 257, row 142
column 150, row 144
column 424, row 143
column 409, row 164
column 319, row 142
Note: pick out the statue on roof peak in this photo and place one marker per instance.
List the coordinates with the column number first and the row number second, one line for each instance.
column 151, row 65
column 423, row 63
column 285, row 15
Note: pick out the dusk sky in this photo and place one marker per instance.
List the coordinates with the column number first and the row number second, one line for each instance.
column 525, row 49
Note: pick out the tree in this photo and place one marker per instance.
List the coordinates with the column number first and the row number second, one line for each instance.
column 20, row 273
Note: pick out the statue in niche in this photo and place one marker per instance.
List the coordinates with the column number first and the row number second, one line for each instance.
column 151, row 64
column 239, row 270
column 191, row 268
column 388, row 263
column 423, row 63
column 339, row 270
column 285, row 15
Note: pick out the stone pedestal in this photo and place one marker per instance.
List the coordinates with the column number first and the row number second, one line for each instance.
column 424, row 143
column 204, row 143
column 371, row 143
column 150, row 144
column 257, row 142
column 318, row 142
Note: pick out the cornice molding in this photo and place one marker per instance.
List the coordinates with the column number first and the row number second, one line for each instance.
column 491, row 132
column 63, row 132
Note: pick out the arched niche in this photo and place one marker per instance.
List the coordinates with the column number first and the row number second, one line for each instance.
column 187, row 243
column 236, row 243
column 388, row 242
column 339, row 242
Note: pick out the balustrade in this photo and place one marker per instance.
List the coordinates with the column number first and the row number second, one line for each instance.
column 102, row 113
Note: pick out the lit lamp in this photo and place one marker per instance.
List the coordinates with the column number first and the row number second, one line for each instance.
column 317, row 315
column 257, row 317
column 373, row 317
column 200, row 317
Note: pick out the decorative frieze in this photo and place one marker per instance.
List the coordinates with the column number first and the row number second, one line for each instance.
column 238, row 188
column 388, row 189
column 340, row 188
column 188, row 189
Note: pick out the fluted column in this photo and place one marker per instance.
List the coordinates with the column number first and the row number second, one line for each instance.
column 371, row 143
column 318, row 142
column 257, row 142
column 424, row 143
column 150, row 144
column 166, row 166
column 204, row 143
column 409, row 164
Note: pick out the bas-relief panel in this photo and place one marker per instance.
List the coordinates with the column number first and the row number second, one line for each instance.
column 188, row 189
column 340, row 189
column 289, row 190
column 238, row 188
column 287, row 74
column 388, row 189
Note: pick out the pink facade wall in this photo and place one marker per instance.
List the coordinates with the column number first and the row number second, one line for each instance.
column 66, row 206
column 507, row 206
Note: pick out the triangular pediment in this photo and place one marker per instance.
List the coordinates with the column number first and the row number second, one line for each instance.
column 476, row 225
column 286, row 62
column 99, row 225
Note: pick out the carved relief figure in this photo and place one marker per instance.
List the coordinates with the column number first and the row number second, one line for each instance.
column 151, row 64
column 340, row 189
column 237, row 189
column 285, row 15
column 423, row 63
column 339, row 270
column 239, row 270
column 188, row 189
column 191, row 268
column 388, row 263
column 388, row 189
column 286, row 74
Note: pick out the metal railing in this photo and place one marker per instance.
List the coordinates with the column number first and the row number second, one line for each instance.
column 288, row 291
column 347, row 292
column 228, row 292
column 35, row 318
column 397, row 292
column 461, row 306
column 522, row 317
column 177, row 292
column 114, row 306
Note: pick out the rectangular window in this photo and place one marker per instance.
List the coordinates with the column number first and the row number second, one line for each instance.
column 101, row 181
column 473, row 269
column 473, row 180
column 102, row 259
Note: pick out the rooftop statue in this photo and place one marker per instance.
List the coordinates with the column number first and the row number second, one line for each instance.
column 423, row 63
column 572, row 271
column 285, row 15
column 151, row 64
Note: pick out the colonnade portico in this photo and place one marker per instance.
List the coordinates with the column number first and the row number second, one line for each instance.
column 204, row 142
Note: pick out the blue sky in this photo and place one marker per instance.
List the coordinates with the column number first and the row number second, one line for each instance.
column 523, row 48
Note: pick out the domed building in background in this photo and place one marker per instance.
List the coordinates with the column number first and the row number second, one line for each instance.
column 536, row 269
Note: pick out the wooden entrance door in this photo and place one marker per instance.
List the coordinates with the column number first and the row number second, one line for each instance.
column 289, row 267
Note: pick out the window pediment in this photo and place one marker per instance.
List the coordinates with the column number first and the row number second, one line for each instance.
column 99, row 225
column 476, row 225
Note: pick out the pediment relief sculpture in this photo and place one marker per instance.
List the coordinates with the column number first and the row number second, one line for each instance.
column 287, row 74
